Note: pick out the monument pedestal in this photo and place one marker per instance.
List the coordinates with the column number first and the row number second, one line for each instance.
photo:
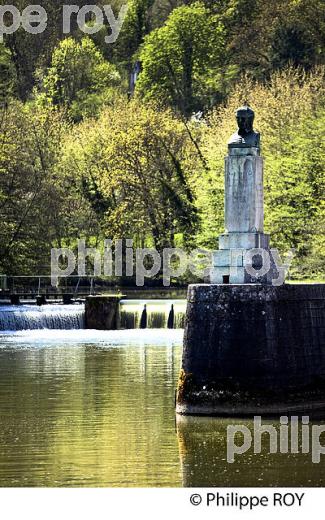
column 244, row 217
column 253, row 349
column 244, row 258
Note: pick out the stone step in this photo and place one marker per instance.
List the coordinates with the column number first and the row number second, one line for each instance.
column 243, row 240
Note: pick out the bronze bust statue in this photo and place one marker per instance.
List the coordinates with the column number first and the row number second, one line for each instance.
column 245, row 136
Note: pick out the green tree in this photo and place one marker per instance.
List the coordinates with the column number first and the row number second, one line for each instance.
column 41, row 206
column 135, row 27
column 182, row 61
column 30, row 141
column 7, row 75
column 134, row 164
column 263, row 36
column 33, row 51
column 79, row 78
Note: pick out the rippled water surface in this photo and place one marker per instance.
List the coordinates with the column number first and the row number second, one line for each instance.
column 90, row 408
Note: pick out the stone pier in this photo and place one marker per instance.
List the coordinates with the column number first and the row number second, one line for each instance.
column 251, row 345
column 102, row 312
column 251, row 349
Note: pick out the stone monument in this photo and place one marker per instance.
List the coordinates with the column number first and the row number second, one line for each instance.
column 251, row 346
column 244, row 247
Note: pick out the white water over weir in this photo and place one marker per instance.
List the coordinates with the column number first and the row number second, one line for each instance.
column 26, row 317
column 133, row 314
column 152, row 314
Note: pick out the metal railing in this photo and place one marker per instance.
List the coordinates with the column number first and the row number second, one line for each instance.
column 41, row 285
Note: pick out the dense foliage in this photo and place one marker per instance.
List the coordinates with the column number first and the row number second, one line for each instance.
column 80, row 159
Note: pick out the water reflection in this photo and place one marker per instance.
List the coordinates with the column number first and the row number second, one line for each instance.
column 203, row 458
column 92, row 408
column 79, row 415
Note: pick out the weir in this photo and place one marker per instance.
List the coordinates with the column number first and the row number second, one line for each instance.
column 25, row 317
column 101, row 313
column 152, row 314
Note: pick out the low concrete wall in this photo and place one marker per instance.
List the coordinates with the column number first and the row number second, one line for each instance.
column 252, row 349
column 102, row 312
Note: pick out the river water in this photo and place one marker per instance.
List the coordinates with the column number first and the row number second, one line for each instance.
column 91, row 408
